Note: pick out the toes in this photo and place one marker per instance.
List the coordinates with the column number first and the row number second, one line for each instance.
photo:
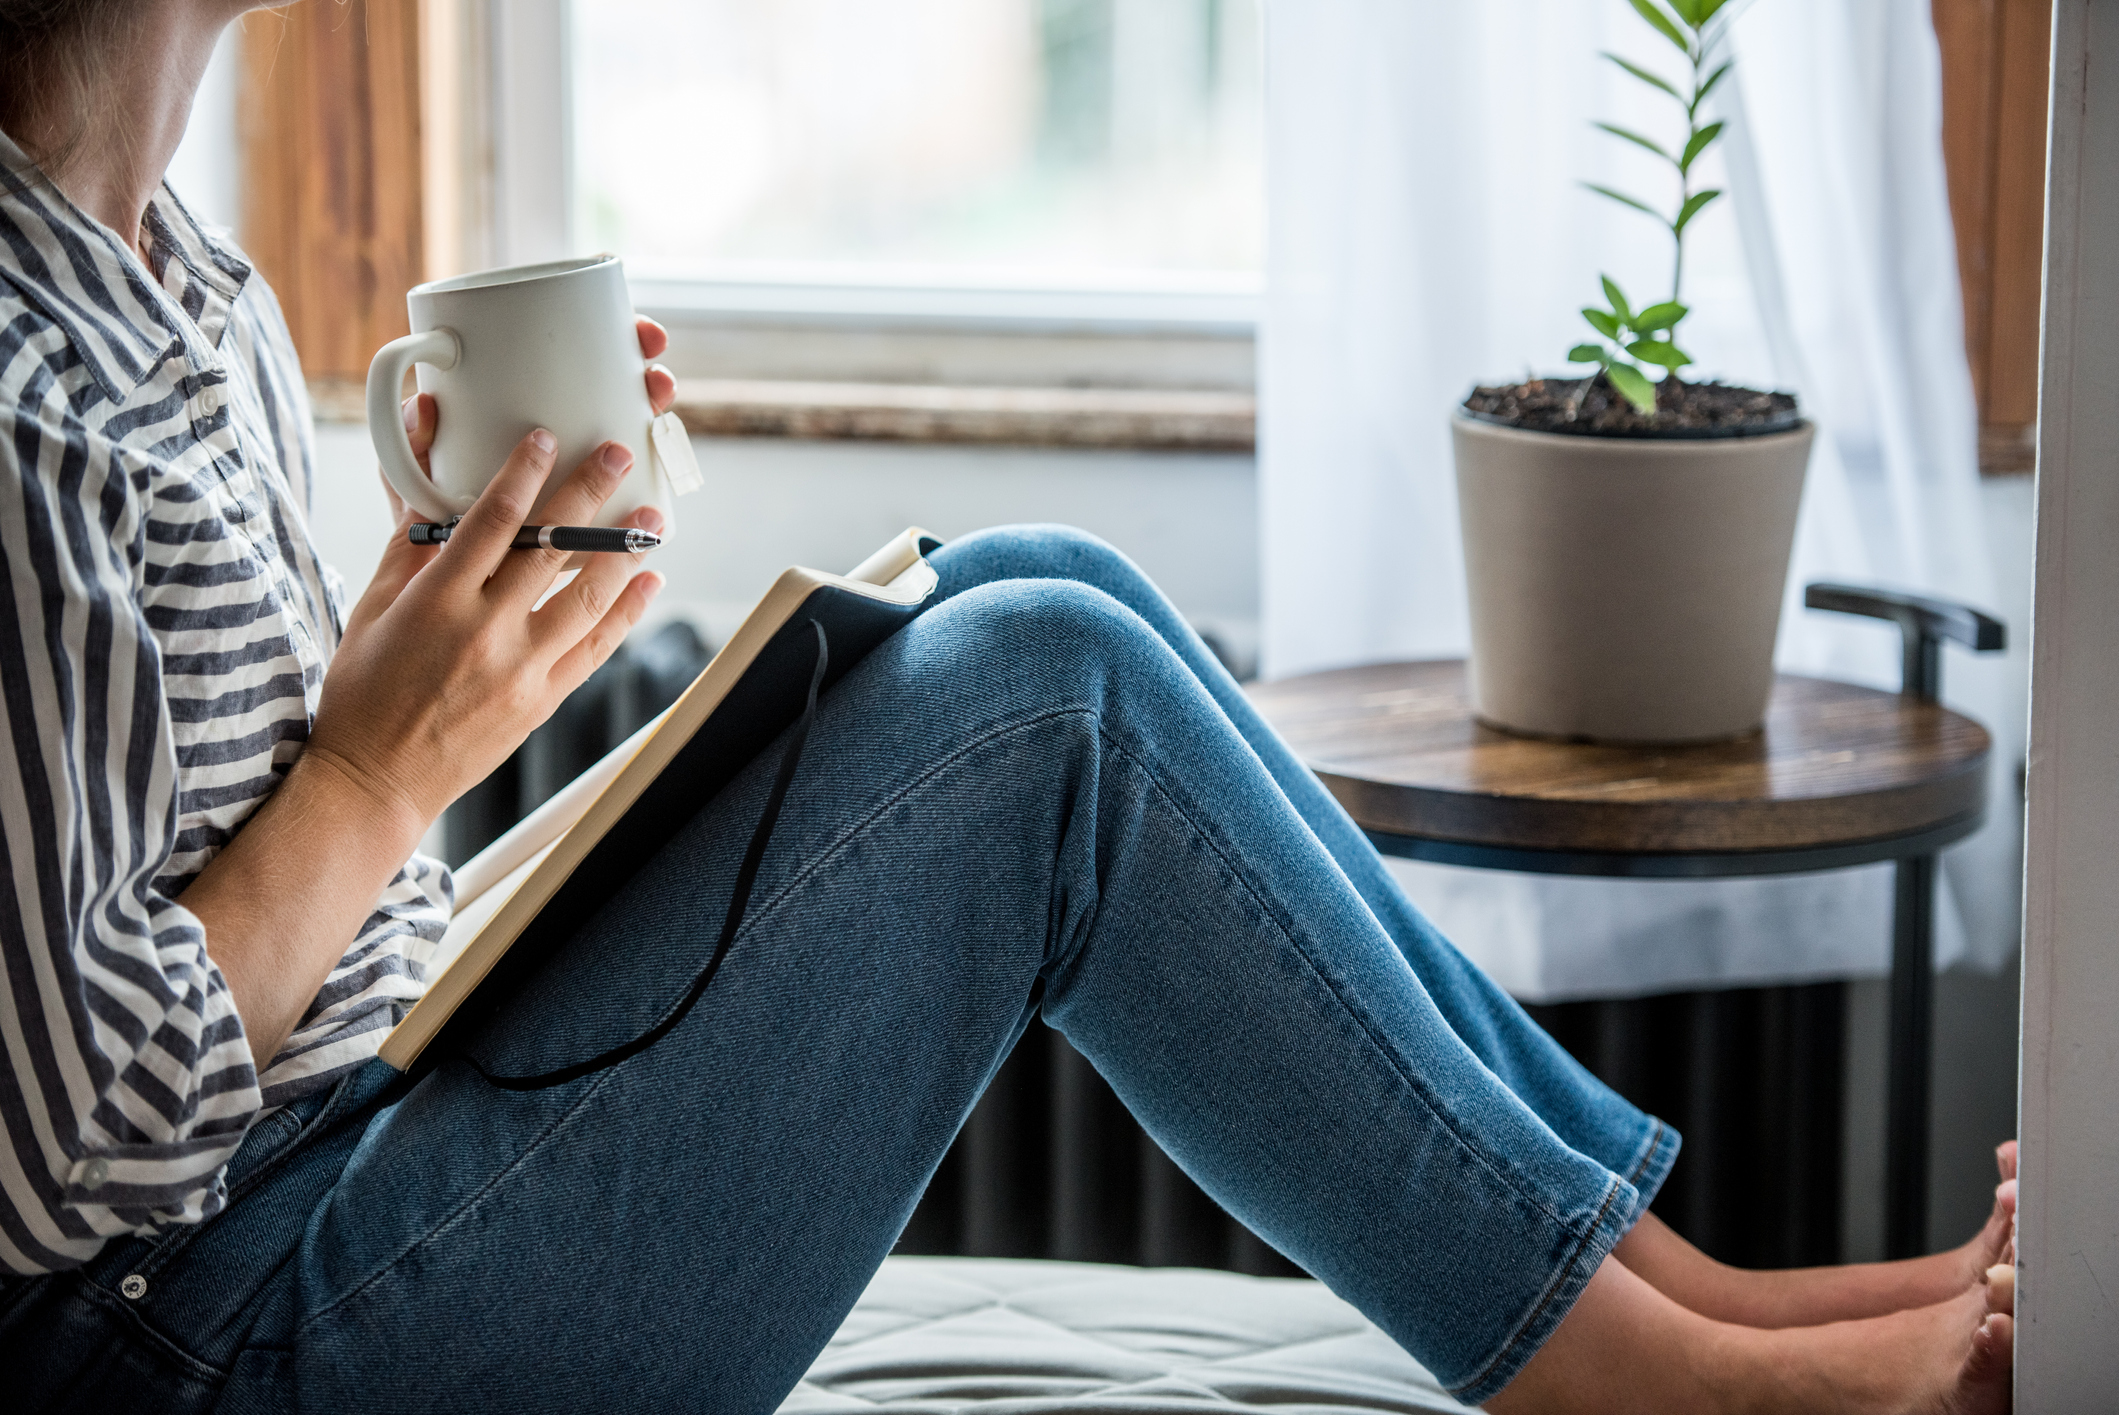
column 1993, row 1352
column 2001, row 1288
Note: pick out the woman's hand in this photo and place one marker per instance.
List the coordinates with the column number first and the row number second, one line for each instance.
column 445, row 668
column 446, row 664
column 436, row 680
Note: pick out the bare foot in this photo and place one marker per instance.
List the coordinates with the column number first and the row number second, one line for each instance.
column 1996, row 1240
column 1953, row 1358
column 1984, row 1386
column 1626, row 1347
column 1805, row 1297
column 2001, row 1289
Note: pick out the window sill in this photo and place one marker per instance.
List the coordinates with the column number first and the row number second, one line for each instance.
column 1110, row 419
column 1136, row 419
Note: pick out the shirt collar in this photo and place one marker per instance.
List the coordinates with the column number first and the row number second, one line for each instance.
column 88, row 280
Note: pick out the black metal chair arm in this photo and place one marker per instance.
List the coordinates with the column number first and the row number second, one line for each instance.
column 1925, row 623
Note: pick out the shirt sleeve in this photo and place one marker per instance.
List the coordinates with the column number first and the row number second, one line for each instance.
column 129, row 1082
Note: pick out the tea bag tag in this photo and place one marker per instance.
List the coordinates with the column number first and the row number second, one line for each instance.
column 673, row 453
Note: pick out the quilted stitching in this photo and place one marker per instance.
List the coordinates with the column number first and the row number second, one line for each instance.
column 981, row 1336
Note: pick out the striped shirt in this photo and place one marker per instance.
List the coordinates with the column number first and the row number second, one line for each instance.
column 164, row 629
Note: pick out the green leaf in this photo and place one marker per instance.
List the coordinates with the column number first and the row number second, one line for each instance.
column 1586, row 354
column 1707, row 84
column 1619, row 306
column 1659, row 351
column 1618, row 132
column 1665, row 26
column 1688, row 11
column 1645, row 76
column 1692, row 207
column 1621, row 197
column 1602, row 322
column 1661, row 316
column 1633, row 385
column 1698, row 144
column 1706, row 9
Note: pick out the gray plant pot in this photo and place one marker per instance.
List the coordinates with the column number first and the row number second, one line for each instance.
column 1625, row 589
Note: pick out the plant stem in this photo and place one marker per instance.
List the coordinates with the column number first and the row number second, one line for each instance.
column 1692, row 122
column 1574, row 399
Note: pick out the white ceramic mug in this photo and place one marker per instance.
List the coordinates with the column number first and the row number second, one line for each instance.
column 507, row 351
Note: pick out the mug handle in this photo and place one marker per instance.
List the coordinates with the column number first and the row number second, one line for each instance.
column 438, row 348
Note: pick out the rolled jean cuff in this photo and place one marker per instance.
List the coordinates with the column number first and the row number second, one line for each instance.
column 1658, row 1152
column 1614, row 1217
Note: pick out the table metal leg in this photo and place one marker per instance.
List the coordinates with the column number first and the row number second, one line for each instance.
column 1912, row 1032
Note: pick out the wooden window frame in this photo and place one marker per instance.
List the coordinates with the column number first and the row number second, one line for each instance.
column 1995, row 56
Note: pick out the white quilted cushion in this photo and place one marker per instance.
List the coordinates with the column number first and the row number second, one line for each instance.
column 995, row 1337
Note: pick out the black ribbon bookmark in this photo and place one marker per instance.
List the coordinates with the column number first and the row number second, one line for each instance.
column 738, row 900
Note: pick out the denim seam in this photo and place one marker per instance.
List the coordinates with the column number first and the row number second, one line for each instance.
column 456, row 1215
column 140, row 1329
column 1411, row 1081
column 760, row 914
column 1565, row 1272
column 1648, row 1151
column 1560, row 1281
column 177, row 1238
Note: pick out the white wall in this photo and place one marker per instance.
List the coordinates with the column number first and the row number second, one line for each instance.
column 2068, row 1256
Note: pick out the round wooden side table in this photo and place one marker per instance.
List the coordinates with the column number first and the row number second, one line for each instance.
column 1840, row 776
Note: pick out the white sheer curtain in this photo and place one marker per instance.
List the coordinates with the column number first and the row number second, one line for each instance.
column 1428, row 230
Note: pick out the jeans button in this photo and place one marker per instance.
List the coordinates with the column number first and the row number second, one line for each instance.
column 134, row 1287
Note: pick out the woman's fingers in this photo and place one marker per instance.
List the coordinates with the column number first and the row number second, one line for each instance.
column 528, row 574
column 401, row 561
column 661, row 383
column 661, row 388
column 395, row 502
column 479, row 544
column 573, row 610
column 422, row 417
column 653, row 337
column 608, row 632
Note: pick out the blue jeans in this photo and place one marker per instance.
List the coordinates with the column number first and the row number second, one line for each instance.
column 1042, row 796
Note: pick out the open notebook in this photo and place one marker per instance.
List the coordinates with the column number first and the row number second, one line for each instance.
column 533, row 888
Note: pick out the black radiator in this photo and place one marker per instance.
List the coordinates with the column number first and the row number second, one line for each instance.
column 635, row 683
column 1051, row 1165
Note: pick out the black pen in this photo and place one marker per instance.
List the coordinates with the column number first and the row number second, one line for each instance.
column 590, row 538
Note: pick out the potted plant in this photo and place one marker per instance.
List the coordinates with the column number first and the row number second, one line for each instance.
column 1626, row 536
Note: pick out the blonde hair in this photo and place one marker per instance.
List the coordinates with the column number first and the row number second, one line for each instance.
column 51, row 54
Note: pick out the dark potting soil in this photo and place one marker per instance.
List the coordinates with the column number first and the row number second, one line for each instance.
column 1593, row 408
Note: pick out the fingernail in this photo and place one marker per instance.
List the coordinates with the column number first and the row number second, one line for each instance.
column 655, row 583
column 411, row 411
column 544, row 441
column 649, row 520
column 616, row 458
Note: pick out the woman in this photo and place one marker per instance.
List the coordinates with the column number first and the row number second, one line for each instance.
column 1042, row 796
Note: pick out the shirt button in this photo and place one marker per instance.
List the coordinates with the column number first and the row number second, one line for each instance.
column 95, row 1173
column 134, row 1287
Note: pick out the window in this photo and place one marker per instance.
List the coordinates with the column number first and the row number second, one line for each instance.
column 1090, row 145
